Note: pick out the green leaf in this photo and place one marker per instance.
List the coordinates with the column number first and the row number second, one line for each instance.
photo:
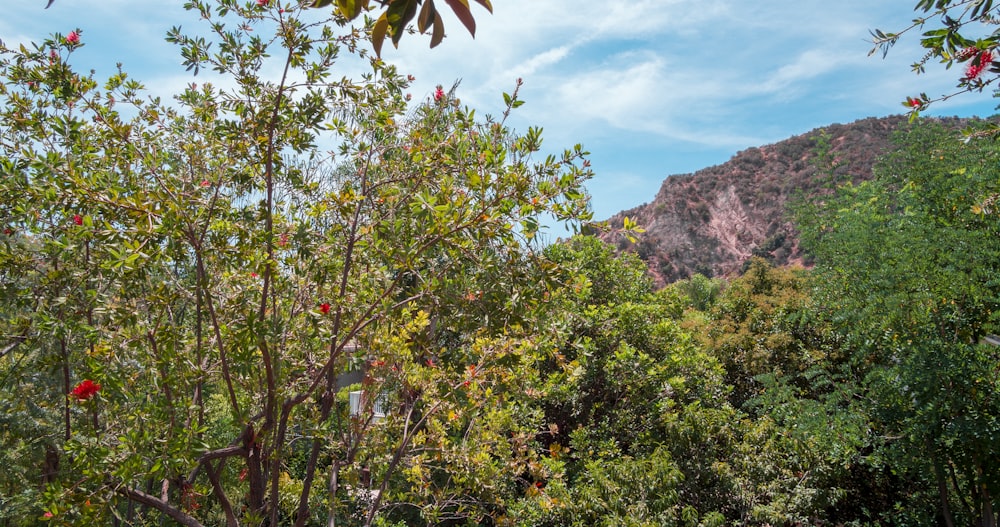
column 399, row 14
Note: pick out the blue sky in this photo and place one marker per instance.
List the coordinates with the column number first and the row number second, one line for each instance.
column 650, row 87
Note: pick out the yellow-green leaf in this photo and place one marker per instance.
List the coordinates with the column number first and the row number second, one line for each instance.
column 378, row 33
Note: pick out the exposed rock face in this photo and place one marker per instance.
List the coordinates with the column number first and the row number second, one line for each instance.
column 714, row 220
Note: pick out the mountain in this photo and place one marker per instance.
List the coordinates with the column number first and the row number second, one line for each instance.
column 711, row 222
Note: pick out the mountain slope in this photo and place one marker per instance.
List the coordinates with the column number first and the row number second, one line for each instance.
column 714, row 220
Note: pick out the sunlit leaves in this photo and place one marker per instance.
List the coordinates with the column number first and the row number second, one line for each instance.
column 217, row 271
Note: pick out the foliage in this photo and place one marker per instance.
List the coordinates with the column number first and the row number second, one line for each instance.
column 604, row 277
column 399, row 13
column 396, row 18
column 963, row 33
column 909, row 272
column 701, row 292
column 765, row 323
column 219, row 264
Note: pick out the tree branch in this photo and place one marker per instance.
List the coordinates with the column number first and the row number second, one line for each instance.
column 178, row 515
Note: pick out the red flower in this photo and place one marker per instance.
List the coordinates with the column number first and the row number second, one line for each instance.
column 47, row 514
column 85, row 390
column 324, row 308
column 206, row 183
column 253, row 275
column 979, row 65
column 438, row 94
column 77, row 219
column 73, row 38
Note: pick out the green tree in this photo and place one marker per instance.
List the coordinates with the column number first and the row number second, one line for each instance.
column 185, row 286
column 909, row 271
column 636, row 407
column 765, row 323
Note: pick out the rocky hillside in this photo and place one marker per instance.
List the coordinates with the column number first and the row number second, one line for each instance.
column 714, row 220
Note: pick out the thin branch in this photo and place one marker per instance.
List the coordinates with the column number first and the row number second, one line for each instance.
column 13, row 345
column 220, row 493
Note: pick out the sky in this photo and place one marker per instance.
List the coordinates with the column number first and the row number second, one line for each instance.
column 650, row 87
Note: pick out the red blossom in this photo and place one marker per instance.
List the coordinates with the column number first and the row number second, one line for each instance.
column 77, row 219
column 262, row 3
column 253, row 275
column 85, row 390
column 206, row 183
column 979, row 65
column 73, row 38
column 438, row 94
column 47, row 514
column 324, row 308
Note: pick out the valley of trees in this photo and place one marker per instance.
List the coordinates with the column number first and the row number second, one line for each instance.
column 309, row 301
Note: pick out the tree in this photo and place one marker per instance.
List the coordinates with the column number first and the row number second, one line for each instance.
column 908, row 265
column 185, row 286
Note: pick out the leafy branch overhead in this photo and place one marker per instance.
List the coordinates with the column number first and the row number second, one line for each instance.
column 962, row 32
column 398, row 14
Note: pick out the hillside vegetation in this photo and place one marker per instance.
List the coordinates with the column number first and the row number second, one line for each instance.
column 712, row 221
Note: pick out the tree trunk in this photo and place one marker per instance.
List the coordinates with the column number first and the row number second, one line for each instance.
column 942, row 490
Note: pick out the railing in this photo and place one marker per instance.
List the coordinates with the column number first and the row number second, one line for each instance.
column 359, row 400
